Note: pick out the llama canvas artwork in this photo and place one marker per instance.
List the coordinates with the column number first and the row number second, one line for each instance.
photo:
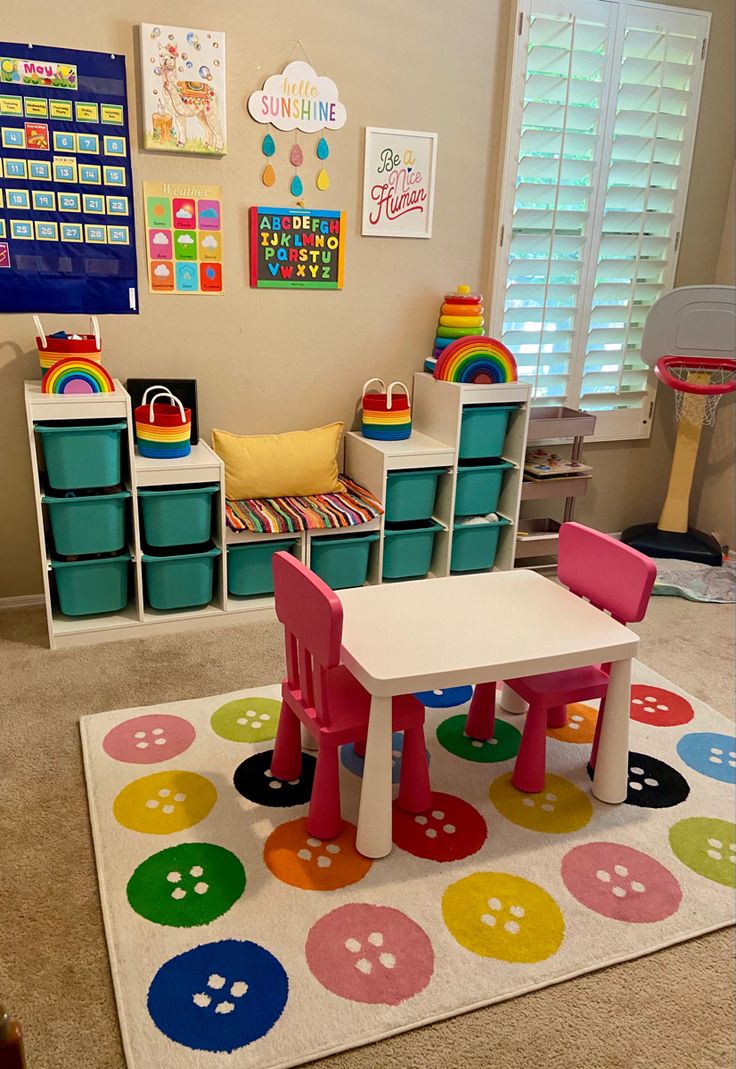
column 183, row 88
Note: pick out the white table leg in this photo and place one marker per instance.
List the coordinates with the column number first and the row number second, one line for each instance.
column 611, row 778
column 308, row 741
column 374, row 817
column 511, row 702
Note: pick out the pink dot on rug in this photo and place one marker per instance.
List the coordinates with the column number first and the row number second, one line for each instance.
column 621, row 883
column 372, row 954
column 149, row 739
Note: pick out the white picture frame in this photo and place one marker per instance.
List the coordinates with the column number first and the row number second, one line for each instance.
column 398, row 183
column 183, row 90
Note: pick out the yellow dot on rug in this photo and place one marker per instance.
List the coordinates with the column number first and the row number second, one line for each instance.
column 497, row 915
column 164, row 802
column 561, row 807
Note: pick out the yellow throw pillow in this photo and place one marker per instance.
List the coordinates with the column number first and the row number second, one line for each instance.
column 280, row 465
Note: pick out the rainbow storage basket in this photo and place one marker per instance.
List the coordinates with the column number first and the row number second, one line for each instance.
column 54, row 348
column 163, row 430
column 386, row 417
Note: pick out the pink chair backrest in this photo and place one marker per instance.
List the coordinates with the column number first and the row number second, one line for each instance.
column 610, row 574
column 312, row 617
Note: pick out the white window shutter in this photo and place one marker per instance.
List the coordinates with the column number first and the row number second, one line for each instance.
column 602, row 121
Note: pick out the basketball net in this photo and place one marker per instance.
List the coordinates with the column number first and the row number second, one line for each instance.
column 699, row 409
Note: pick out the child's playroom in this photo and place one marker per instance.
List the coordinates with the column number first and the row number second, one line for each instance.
column 367, row 554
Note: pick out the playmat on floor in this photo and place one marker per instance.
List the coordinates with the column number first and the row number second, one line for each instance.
column 236, row 939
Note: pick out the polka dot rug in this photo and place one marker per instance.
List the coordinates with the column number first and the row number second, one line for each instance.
column 236, row 939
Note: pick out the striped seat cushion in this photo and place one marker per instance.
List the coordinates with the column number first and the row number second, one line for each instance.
column 349, row 507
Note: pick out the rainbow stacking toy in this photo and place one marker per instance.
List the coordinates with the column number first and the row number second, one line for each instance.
column 461, row 316
column 76, row 374
column 481, row 360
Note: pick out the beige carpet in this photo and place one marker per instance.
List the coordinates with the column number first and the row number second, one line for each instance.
column 674, row 1009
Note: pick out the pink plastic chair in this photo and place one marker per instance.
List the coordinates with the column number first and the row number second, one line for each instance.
column 616, row 579
column 613, row 577
column 322, row 694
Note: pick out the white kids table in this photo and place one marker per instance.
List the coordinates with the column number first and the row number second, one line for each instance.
column 400, row 638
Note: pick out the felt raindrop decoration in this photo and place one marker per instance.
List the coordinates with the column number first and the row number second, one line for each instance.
column 268, row 148
column 296, row 159
column 323, row 151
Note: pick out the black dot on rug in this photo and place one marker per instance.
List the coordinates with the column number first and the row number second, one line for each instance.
column 653, row 784
column 253, row 779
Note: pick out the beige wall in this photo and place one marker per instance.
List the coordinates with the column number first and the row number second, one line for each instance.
column 270, row 360
column 714, row 486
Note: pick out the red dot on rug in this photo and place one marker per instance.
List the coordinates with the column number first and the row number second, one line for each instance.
column 449, row 830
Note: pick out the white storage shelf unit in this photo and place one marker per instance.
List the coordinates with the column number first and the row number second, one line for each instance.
column 437, row 409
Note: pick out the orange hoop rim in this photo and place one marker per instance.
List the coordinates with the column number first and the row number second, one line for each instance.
column 663, row 373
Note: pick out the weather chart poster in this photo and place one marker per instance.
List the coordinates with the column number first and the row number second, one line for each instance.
column 183, row 237
column 67, row 232
column 296, row 248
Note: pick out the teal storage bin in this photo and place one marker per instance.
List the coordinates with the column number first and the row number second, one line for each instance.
column 249, row 566
column 88, row 587
column 85, row 525
column 410, row 494
column 483, row 430
column 342, row 560
column 479, row 487
column 178, row 516
column 81, row 456
column 474, row 545
column 407, row 550
column 179, row 580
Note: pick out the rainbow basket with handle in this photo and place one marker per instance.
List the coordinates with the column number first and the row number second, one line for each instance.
column 52, row 349
column 386, row 417
column 163, row 429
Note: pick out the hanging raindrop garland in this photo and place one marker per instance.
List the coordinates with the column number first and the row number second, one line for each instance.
column 297, row 99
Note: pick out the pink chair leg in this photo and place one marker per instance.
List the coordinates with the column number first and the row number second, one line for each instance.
column 414, row 791
column 528, row 774
column 482, row 714
column 597, row 736
column 286, row 762
column 324, row 820
column 359, row 747
column 557, row 716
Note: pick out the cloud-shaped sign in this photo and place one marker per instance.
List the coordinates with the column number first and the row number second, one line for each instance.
column 162, row 271
column 209, row 242
column 298, row 99
column 208, row 213
column 184, row 213
column 160, row 239
column 185, row 239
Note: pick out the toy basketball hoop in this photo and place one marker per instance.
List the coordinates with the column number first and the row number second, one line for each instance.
column 698, row 384
column 696, row 327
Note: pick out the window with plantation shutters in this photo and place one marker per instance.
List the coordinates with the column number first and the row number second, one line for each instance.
column 603, row 106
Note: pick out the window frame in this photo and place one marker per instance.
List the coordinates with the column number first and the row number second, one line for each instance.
column 616, row 424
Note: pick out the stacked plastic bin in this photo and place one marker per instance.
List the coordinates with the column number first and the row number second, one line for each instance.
column 480, row 475
column 179, row 556
column 87, row 513
column 410, row 530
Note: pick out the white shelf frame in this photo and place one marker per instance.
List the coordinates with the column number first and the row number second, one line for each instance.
column 437, row 409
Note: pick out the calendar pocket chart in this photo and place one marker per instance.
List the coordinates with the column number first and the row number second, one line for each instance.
column 67, row 232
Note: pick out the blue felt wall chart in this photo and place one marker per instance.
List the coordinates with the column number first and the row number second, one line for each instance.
column 67, row 233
